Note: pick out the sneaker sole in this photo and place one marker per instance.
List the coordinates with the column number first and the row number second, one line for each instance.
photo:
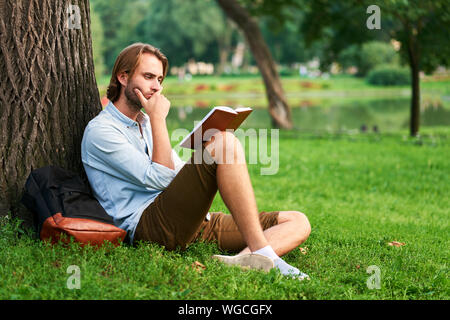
column 249, row 260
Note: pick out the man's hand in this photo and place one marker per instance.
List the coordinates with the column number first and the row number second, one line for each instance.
column 157, row 106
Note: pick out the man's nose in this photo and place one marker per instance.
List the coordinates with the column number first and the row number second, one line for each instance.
column 155, row 86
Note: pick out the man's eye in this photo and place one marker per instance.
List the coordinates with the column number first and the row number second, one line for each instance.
column 149, row 77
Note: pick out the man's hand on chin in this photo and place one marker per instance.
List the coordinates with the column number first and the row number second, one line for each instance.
column 157, row 106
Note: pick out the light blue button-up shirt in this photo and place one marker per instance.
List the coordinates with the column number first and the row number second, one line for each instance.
column 118, row 162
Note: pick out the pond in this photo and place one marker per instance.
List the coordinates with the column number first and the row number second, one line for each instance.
column 322, row 115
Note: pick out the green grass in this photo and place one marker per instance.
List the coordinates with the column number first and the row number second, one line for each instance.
column 359, row 191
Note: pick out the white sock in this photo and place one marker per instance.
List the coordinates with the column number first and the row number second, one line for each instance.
column 285, row 268
column 268, row 252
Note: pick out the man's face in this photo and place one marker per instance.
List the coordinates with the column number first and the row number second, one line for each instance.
column 147, row 78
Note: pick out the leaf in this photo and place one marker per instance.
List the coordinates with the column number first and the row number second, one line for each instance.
column 396, row 244
column 56, row 264
column 199, row 267
column 303, row 250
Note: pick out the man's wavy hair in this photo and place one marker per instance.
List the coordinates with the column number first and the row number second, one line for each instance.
column 127, row 61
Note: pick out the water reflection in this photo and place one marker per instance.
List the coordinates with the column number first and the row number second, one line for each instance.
column 436, row 116
column 376, row 115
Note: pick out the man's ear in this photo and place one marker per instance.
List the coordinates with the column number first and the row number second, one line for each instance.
column 123, row 78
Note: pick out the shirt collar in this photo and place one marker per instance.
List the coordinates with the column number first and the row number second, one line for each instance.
column 142, row 118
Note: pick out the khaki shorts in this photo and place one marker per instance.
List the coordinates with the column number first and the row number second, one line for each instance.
column 178, row 216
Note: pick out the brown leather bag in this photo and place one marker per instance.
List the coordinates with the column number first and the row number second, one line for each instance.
column 62, row 204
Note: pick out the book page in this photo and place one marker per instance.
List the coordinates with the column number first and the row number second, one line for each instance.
column 226, row 109
column 241, row 109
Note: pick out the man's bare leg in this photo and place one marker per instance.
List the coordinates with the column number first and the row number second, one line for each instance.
column 235, row 187
column 293, row 229
column 237, row 193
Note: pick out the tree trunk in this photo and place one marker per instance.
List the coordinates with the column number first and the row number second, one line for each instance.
column 278, row 107
column 415, row 101
column 224, row 43
column 48, row 91
column 413, row 55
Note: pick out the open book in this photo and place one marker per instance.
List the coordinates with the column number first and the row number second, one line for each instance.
column 220, row 118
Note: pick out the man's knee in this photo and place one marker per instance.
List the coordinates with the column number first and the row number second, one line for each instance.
column 225, row 147
column 301, row 221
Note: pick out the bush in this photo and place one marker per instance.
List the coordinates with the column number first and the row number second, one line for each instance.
column 368, row 56
column 389, row 75
column 376, row 53
column 286, row 72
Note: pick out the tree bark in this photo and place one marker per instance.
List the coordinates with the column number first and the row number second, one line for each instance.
column 278, row 107
column 48, row 91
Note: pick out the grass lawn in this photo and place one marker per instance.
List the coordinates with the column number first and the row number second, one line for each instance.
column 360, row 192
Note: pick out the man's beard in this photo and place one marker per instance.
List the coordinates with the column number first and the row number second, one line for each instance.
column 132, row 99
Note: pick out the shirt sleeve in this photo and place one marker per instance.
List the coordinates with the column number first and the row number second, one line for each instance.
column 108, row 150
column 177, row 162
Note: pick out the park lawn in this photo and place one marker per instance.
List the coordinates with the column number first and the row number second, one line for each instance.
column 291, row 84
column 207, row 91
column 206, row 86
column 360, row 192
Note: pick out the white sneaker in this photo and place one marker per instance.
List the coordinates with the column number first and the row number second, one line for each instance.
column 248, row 260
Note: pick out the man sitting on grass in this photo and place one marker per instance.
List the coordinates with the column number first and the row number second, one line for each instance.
column 143, row 184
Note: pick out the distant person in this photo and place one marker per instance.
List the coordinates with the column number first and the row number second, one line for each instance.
column 149, row 192
column 363, row 128
column 181, row 74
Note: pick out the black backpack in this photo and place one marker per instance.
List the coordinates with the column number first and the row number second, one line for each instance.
column 62, row 204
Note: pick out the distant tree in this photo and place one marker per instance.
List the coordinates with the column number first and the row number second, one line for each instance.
column 278, row 106
column 225, row 44
column 367, row 56
column 110, row 13
column 285, row 40
column 97, row 44
column 183, row 30
column 421, row 26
